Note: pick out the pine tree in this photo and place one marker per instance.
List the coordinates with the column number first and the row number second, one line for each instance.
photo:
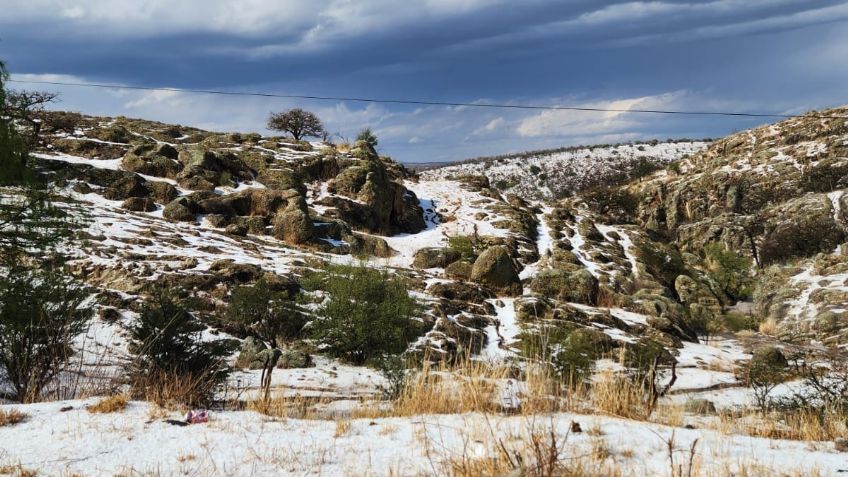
column 172, row 361
column 41, row 307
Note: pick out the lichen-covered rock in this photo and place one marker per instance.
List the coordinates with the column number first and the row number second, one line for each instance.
column 578, row 286
column 293, row 226
column 182, row 209
column 139, row 204
column 125, row 187
column 496, row 268
column 158, row 160
column 249, row 356
column 379, row 203
column 434, row 257
column 459, row 270
column 293, row 359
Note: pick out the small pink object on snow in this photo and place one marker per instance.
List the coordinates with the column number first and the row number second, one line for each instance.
column 197, row 417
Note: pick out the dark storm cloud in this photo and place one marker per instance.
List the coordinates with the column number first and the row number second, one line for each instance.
column 739, row 54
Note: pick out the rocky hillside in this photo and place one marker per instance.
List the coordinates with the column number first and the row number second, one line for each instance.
column 563, row 172
column 775, row 194
column 728, row 246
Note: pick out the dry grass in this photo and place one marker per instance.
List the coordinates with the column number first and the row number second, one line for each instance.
column 174, row 391
column 11, row 417
column 618, row 396
column 110, row 404
column 769, row 327
column 342, row 428
column 801, row 425
column 17, row 471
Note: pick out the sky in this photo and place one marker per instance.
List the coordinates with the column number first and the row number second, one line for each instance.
column 764, row 56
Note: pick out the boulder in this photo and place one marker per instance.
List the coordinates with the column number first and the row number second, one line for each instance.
column 495, row 268
column 434, row 257
column 460, row 270
column 182, row 209
column 292, row 359
column 293, row 226
column 162, row 192
column 139, row 204
column 249, row 357
column 125, row 187
column 578, row 286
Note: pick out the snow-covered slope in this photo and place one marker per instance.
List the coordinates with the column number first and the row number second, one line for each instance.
column 549, row 174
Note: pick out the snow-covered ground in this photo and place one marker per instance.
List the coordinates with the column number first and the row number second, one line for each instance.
column 138, row 441
column 567, row 170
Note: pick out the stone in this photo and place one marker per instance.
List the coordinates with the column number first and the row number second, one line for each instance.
column 434, row 257
column 181, row 209
column 700, row 406
column 578, row 286
column 292, row 359
column 293, row 226
column 126, row 187
column 494, row 267
column 139, row 204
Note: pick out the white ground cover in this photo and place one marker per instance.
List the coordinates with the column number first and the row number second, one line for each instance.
column 138, row 442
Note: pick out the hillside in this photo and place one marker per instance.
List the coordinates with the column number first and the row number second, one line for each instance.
column 560, row 173
column 678, row 278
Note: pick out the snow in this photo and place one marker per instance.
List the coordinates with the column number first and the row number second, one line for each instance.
column 245, row 443
column 626, row 245
column 566, row 170
column 499, row 338
column 544, row 244
column 834, row 197
column 577, row 241
column 456, row 205
column 112, row 164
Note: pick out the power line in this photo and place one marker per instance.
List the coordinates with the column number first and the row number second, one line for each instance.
column 426, row 103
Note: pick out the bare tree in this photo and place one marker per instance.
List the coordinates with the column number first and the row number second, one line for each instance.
column 297, row 122
column 28, row 107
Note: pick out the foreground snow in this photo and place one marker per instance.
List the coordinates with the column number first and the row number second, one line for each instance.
column 245, row 443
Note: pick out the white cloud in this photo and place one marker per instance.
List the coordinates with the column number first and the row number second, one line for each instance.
column 490, row 126
column 582, row 123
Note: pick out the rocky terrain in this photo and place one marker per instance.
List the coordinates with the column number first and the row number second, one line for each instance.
column 499, row 268
column 562, row 172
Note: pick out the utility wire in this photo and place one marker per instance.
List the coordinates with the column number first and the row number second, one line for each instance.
column 427, row 103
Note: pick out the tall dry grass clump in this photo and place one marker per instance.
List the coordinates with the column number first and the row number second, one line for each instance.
column 11, row 417
column 109, row 404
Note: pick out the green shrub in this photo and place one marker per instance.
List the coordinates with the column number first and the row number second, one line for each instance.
column 171, row 360
column 730, row 270
column 367, row 136
column 767, row 369
column 265, row 312
column 368, row 314
column 464, row 246
column 739, row 322
column 613, row 202
column 574, row 359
